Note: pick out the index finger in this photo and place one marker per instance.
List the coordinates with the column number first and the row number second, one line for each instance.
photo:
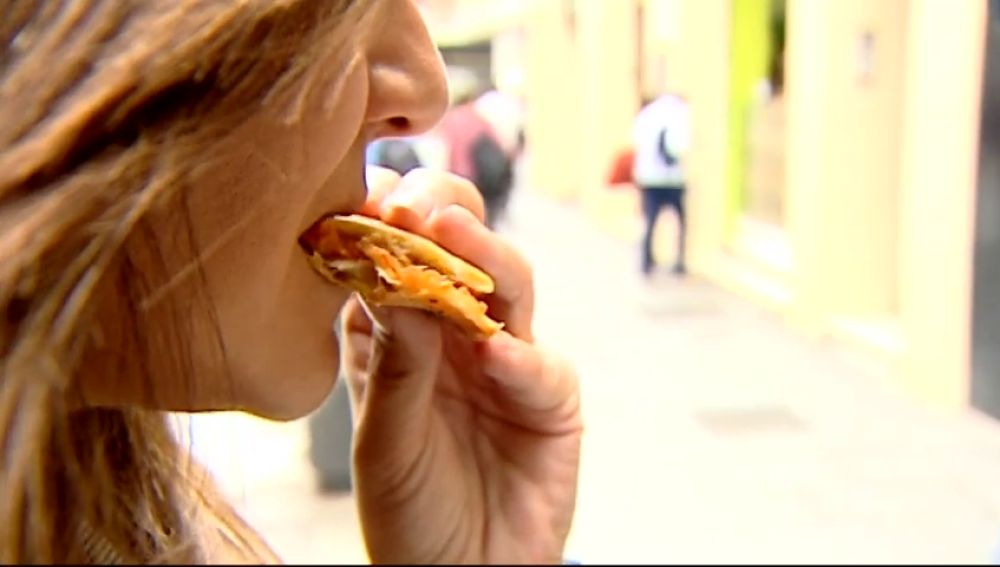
column 380, row 182
column 422, row 192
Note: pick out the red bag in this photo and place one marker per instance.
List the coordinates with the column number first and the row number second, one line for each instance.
column 621, row 168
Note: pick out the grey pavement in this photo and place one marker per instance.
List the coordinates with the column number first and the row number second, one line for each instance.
column 714, row 433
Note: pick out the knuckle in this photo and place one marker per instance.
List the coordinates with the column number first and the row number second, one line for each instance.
column 446, row 188
column 387, row 362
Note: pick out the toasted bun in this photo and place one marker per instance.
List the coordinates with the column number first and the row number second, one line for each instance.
column 393, row 267
column 419, row 250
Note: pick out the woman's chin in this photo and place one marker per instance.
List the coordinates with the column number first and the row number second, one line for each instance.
column 287, row 396
column 294, row 401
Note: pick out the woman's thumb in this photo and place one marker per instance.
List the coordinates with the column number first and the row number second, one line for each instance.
column 405, row 355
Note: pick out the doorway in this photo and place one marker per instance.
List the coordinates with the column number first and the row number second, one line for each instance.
column 755, row 161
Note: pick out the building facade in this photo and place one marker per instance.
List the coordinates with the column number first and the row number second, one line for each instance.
column 835, row 163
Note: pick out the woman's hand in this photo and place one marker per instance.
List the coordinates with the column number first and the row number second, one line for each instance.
column 465, row 451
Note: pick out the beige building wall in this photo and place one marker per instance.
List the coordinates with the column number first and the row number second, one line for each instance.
column 845, row 95
column 552, row 100
column 939, row 175
column 880, row 176
column 854, row 190
column 607, row 46
column 881, row 133
column 696, row 56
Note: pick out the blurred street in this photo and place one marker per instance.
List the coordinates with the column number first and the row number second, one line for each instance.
column 714, row 433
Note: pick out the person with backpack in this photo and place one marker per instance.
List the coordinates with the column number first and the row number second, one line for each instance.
column 397, row 154
column 476, row 153
column 661, row 135
column 493, row 175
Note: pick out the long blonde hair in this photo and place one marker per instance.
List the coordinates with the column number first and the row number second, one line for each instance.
column 104, row 107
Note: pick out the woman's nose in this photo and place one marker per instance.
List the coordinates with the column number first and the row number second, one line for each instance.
column 408, row 90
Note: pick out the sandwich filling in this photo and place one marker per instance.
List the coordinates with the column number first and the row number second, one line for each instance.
column 388, row 266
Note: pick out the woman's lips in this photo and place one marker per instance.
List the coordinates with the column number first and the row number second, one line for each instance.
column 311, row 238
column 357, row 193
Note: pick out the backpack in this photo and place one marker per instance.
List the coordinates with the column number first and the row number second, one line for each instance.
column 398, row 155
column 494, row 172
column 661, row 147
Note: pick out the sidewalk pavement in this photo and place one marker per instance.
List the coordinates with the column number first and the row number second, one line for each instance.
column 714, row 433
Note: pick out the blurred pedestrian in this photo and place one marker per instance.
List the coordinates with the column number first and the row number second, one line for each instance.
column 505, row 113
column 661, row 136
column 397, row 154
column 476, row 151
column 159, row 161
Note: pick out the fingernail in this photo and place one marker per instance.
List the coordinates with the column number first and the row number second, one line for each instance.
column 495, row 352
column 378, row 175
column 408, row 198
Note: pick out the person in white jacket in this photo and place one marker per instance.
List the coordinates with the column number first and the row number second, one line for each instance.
column 661, row 136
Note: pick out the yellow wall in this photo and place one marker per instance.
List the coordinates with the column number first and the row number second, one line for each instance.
column 880, row 174
column 670, row 29
column 805, row 149
column 939, row 147
column 459, row 22
column 552, row 101
column 843, row 155
column 607, row 43
column 880, row 171
column 699, row 60
column 580, row 95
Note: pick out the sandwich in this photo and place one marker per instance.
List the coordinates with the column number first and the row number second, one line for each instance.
column 389, row 266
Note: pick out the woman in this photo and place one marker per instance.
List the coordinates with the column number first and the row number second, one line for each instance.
column 158, row 160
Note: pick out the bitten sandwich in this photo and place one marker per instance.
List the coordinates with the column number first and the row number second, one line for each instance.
column 393, row 267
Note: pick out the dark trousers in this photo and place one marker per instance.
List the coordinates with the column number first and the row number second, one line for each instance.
column 653, row 201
